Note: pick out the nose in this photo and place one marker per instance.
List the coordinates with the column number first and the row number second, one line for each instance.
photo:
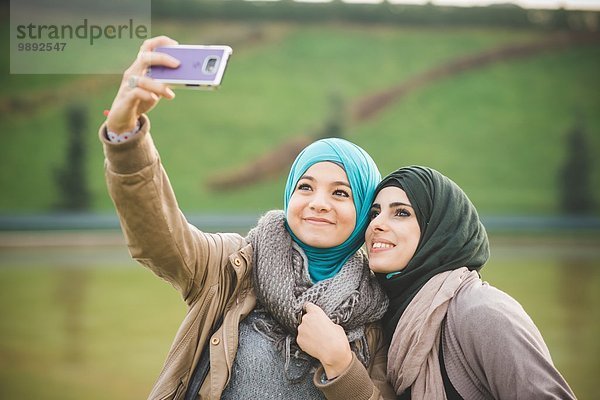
column 377, row 224
column 320, row 202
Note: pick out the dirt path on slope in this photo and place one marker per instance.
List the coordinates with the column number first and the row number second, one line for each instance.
column 368, row 107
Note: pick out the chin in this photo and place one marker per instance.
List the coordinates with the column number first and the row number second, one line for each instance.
column 374, row 268
column 316, row 240
column 380, row 267
column 319, row 244
column 326, row 245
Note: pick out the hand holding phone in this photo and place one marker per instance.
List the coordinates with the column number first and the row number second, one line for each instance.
column 201, row 67
column 138, row 94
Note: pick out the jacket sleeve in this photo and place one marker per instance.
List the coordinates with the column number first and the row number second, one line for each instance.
column 157, row 233
column 505, row 349
column 358, row 383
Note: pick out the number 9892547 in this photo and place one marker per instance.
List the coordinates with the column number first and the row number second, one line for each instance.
column 41, row 46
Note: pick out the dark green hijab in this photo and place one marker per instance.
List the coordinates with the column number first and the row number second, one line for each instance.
column 452, row 236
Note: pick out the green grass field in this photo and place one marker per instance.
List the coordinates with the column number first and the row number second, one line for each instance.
column 69, row 333
column 498, row 131
column 89, row 329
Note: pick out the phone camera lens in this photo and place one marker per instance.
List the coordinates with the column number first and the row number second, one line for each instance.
column 211, row 65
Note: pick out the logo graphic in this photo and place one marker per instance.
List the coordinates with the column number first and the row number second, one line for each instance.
column 76, row 36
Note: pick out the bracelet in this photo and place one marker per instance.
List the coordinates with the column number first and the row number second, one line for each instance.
column 116, row 138
column 324, row 379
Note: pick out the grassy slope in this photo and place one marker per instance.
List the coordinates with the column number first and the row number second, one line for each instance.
column 497, row 131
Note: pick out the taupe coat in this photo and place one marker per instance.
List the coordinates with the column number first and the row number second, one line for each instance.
column 212, row 273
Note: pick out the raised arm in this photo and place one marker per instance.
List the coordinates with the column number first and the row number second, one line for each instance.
column 157, row 233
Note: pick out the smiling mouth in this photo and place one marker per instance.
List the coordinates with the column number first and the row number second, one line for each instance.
column 318, row 221
column 382, row 246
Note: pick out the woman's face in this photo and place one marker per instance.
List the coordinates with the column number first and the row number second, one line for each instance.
column 393, row 233
column 321, row 210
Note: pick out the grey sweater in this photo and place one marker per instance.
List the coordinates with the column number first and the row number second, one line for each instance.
column 258, row 370
column 493, row 350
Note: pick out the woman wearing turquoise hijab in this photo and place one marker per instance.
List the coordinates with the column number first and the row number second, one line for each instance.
column 361, row 172
column 246, row 296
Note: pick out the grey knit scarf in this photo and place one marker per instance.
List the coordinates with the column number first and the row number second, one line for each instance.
column 352, row 298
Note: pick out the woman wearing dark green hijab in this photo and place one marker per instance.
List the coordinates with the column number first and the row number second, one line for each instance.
column 452, row 335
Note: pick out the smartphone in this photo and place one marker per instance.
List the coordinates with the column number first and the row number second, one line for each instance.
column 201, row 67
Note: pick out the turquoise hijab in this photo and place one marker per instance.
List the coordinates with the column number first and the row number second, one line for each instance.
column 363, row 176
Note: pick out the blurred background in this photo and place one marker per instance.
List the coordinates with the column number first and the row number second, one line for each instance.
column 504, row 100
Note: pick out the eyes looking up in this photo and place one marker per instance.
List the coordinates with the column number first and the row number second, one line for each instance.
column 306, row 184
column 396, row 212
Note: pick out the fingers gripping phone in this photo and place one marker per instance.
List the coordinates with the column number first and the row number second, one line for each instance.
column 201, row 67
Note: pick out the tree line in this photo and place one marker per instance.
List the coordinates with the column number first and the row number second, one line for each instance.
column 506, row 15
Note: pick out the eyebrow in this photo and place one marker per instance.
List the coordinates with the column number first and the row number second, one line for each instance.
column 392, row 205
column 335, row 183
column 399, row 204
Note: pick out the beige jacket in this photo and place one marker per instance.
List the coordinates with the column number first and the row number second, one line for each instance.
column 211, row 271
